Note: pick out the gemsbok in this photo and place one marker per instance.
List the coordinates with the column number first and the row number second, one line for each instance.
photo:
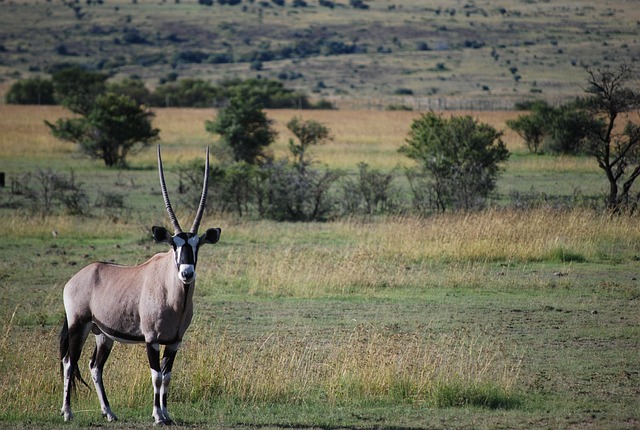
column 150, row 303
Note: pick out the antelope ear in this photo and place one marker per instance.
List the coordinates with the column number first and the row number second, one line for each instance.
column 160, row 234
column 212, row 235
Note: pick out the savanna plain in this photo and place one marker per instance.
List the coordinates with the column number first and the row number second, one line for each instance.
column 502, row 318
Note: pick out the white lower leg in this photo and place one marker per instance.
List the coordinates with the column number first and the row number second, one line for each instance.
column 96, row 375
column 66, row 396
column 166, row 379
column 156, row 379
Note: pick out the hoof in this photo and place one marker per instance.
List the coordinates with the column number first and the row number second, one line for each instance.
column 110, row 417
column 68, row 416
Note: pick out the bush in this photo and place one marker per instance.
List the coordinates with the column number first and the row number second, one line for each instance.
column 287, row 194
column 189, row 57
column 186, row 93
column 34, row 91
column 132, row 88
column 269, row 93
column 369, row 194
column 459, row 155
column 568, row 129
column 532, row 127
column 47, row 189
column 403, row 92
column 291, row 190
column 358, row 4
column 560, row 130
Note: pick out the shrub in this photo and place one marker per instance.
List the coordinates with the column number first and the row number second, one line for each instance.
column 53, row 189
column 189, row 57
column 287, row 194
column 568, row 128
column 133, row 88
column 186, row 93
column 403, row 92
column 559, row 130
column 459, row 155
column 33, row 91
column 532, row 127
column 291, row 190
column 358, row 4
column 369, row 193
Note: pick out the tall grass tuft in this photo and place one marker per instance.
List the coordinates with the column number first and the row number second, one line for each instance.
column 346, row 257
column 365, row 365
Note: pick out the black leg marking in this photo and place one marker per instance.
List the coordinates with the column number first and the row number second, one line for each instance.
column 153, row 354
column 167, row 359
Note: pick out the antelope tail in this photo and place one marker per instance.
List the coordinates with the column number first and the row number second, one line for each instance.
column 64, row 349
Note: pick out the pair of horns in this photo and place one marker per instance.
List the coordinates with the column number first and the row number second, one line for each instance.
column 167, row 203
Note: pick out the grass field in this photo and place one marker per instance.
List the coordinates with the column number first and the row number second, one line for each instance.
column 497, row 319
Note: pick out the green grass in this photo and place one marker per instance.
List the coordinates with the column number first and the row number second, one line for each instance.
column 551, row 342
column 503, row 318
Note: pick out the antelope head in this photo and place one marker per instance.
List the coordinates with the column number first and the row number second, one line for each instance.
column 185, row 245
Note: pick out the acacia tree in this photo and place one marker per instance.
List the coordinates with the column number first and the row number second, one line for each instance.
column 310, row 132
column 76, row 88
column 556, row 129
column 244, row 128
column 114, row 127
column 459, row 155
column 531, row 128
column 617, row 150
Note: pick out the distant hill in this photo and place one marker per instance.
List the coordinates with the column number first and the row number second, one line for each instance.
column 358, row 53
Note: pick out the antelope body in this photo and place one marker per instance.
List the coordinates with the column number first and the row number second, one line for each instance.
column 150, row 303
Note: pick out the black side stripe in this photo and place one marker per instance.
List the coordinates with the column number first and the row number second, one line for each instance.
column 133, row 338
column 116, row 334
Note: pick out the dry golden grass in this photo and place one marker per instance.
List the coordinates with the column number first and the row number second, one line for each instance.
column 24, row 134
column 370, row 136
column 349, row 257
column 365, row 364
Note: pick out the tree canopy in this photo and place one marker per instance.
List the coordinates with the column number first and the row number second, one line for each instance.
column 460, row 155
column 244, row 128
column 616, row 149
column 114, row 127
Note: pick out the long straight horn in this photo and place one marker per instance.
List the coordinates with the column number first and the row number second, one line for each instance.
column 203, row 197
column 165, row 196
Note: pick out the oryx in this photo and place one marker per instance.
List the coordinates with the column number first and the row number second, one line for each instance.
column 150, row 303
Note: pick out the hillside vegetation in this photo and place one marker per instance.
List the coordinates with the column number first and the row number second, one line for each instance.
column 425, row 54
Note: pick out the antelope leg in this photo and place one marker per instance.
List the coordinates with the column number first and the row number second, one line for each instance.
column 167, row 364
column 100, row 355
column 153, row 354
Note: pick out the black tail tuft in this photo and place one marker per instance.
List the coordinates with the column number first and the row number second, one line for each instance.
column 64, row 350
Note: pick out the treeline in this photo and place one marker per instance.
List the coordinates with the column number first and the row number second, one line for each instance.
column 172, row 92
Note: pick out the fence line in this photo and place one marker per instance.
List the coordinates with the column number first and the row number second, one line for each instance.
column 436, row 103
